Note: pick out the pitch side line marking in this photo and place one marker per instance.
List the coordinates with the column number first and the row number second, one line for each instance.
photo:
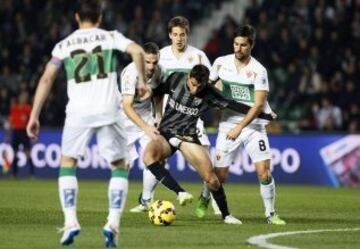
column 260, row 240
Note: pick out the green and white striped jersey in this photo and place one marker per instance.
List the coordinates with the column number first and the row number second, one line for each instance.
column 89, row 58
column 240, row 86
column 191, row 57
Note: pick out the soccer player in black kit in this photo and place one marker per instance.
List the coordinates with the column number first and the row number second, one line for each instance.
column 189, row 97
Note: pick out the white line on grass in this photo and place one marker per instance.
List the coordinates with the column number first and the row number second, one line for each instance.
column 260, row 240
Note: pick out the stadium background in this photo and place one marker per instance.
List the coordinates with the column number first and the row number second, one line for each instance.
column 310, row 49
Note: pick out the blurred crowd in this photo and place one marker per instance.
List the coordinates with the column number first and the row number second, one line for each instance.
column 31, row 28
column 310, row 48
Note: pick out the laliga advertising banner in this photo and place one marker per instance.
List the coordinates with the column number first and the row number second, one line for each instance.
column 332, row 160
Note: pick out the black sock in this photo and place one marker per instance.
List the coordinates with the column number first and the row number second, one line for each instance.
column 220, row 198
column 163, row 176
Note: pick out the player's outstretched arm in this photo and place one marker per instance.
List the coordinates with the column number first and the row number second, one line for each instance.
column 42, row 91
column 137, row 55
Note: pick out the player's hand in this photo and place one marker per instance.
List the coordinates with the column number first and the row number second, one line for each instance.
column 152, row 132
column 233, row 133
column 144, row 92
column 33, row 128
column 273, row 115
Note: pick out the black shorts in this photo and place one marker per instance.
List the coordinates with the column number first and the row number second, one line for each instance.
column 185, row 138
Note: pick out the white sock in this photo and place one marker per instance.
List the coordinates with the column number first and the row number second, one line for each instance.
column 268, row 195
column 68, row 191
column 206, row 191
column 117, row 192
column 149, row 184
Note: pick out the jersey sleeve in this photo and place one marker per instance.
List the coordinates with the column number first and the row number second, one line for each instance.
column 214, row 71
column 216, row 98
column 205, row 60
column 261, row 80
column 57, row 55
column 120, row 41
column 128, row 82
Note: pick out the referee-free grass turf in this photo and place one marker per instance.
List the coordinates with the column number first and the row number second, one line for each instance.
column 30, row 213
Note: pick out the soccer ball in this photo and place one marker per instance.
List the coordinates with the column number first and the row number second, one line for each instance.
column 162, row 213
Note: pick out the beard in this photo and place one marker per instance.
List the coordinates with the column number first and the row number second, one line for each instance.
column 242, row 57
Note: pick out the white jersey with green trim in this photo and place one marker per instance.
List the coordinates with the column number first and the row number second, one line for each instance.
column 129, row 82
column 89, row 57
column 184, row 63
column 240, row 85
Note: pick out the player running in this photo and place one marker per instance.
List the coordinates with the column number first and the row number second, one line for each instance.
column 88, row 55
column 243, row 79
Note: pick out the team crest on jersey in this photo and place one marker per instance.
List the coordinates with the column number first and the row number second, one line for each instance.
column 218, row 156
column 190, row 59
column 197, row 101
column 249, row 74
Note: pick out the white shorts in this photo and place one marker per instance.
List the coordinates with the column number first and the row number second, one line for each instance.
column 111, row 140
column 133, row 153
column 200, row 129
column 254, row 139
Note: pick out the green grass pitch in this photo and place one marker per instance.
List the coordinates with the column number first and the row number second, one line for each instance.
column 30, row 212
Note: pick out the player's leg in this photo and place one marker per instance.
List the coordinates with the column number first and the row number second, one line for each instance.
column 73, row 144
column 68, row 192
column 257, row 146
column 198, row 156
column 27, row 149
column 223, row 158
column 205, row 196
column 15, row 145
column 113, row 147
column 146, row 197
column 156, row 152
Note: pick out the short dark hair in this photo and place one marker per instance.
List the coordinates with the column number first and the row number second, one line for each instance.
column 246, row 31
column 90, row 10
column 151, row 48
column 200, row 73
column 179, row 21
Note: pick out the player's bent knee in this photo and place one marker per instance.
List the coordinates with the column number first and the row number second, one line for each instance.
column 221, row 174
column 150, row 157
column 213, row 183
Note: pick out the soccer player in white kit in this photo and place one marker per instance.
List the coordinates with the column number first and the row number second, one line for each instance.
column 88, row 56
column 139, row 116
column 242, row 78
column 177, row 57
